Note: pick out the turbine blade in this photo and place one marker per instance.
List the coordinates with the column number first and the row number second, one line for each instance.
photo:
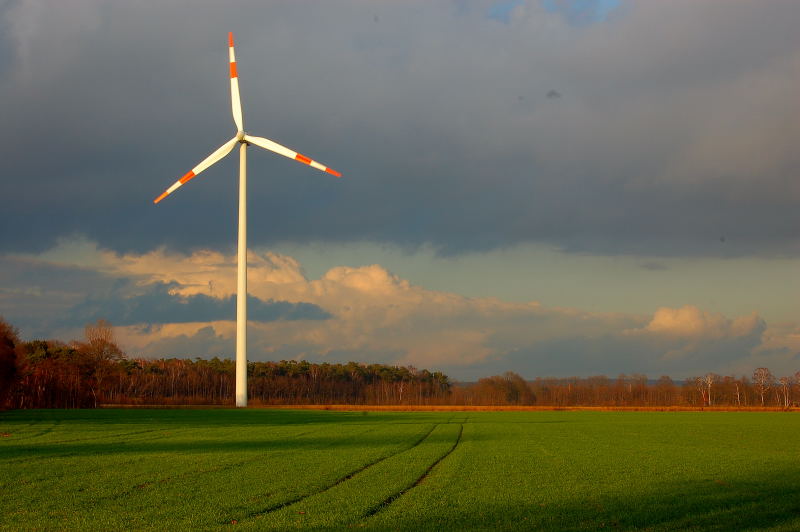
column 286, row 152
column 218, row 154
column 236, row 102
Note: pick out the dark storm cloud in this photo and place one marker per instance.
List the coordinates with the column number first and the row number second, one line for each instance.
column 204, row 343
column 157, row 305
column 38, row 297
column 680, row 124
column 42, row 298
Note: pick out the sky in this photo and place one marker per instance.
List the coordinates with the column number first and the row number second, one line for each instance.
column 551, row 187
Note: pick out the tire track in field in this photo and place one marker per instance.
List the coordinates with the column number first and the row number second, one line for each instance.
column 119, row 463
column 41, row 450
column 138, row 488
column 390, row 499
column 47, row 430
column 345, row 478
column 464, row 419
column 148, row 483
column 113, row 436
column 198, row 472
column 104, row 436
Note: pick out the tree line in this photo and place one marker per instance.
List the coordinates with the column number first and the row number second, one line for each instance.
column 760, row 390
column 94, row 371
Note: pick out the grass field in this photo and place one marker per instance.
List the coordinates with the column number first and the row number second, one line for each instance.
column 283, row 469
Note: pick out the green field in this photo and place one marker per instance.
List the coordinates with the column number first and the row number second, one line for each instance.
column 282, row 469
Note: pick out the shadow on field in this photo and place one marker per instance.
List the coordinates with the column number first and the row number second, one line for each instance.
column 154, row 431
column 216, row 417
column 223, row 441
column 738, row 504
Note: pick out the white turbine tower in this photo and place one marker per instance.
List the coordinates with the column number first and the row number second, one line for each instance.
column 241, row 285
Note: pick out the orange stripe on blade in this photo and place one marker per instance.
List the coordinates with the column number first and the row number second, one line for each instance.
column 234, row 74
column 302, row 158
column 162, row 196
column 230, row 39
column 334, row 172
column 187, row 177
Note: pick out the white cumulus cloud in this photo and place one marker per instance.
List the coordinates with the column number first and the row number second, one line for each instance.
column 369, row 314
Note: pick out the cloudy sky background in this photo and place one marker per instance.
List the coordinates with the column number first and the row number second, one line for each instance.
column 550, row 187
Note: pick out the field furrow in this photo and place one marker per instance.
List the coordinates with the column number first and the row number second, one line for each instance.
column 393, row 497
column 338, row 481
column 348, row 502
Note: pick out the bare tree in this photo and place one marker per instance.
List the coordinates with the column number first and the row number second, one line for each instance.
column 796, row 381
column 763, row 380
column 708, row 380
column 738, row 396
column 99, row 354
column 100, row 336
column 700, row 383
column 786, row 386
column 665, row 388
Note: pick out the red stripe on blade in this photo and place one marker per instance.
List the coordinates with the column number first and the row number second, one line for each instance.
column 162, row 196
column 334, row 172
column 302, row 158
column 187, row 177
column 234, row 74
column 230, row 39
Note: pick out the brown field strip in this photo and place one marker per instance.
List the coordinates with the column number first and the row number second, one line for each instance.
column 512, row 408
column 466, row 408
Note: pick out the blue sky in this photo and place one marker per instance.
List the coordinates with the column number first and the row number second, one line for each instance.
column 575, row 12
column 555, row 187
column 583, row 11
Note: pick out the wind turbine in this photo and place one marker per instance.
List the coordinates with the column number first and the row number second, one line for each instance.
column 243, row 140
